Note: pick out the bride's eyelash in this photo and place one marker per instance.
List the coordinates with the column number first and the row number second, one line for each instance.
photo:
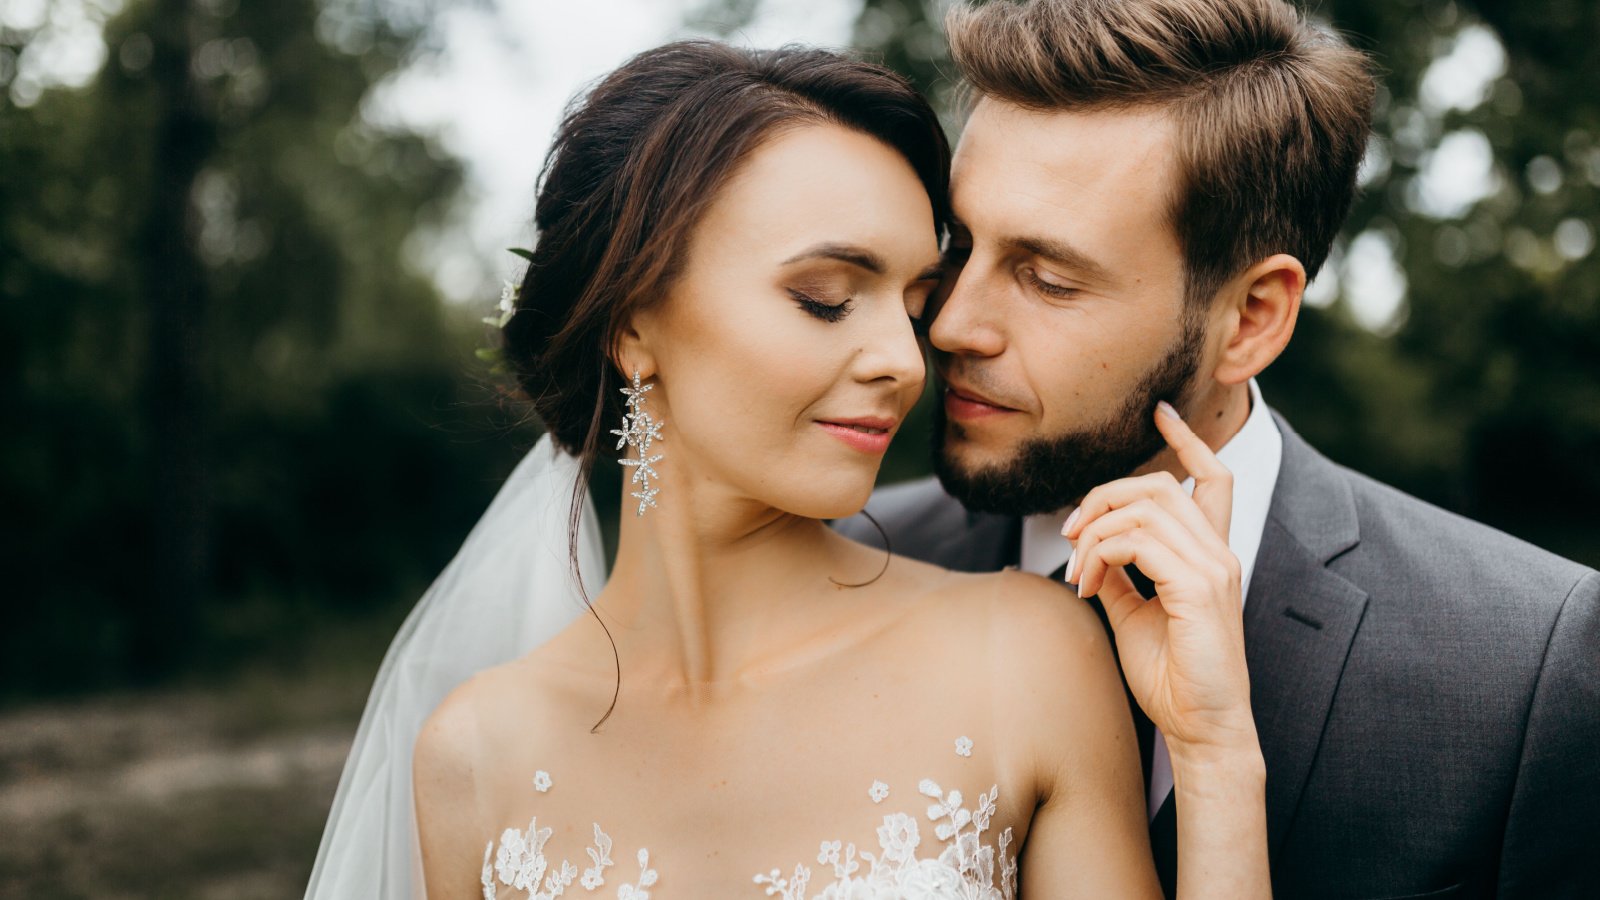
column 825, row 312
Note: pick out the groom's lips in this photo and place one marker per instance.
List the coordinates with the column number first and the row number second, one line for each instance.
column 962, row 404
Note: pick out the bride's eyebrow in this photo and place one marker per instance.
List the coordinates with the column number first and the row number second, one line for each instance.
column 860, row 257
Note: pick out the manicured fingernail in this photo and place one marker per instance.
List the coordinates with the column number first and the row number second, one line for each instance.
column 1070, row 560
column 1067, row 528
column 1166, row 409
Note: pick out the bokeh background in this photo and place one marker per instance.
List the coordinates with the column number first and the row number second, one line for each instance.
column 245, row 251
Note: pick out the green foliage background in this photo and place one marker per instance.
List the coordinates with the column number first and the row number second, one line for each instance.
column 234, row 413
column 335, row 434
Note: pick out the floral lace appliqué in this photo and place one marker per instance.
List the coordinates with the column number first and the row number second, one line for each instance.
column 520, row 863
column 960, row 866
column 964, row 869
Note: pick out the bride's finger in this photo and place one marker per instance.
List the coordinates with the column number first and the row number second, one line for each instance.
column 1160, row 522
column 1118, row 596
column 1159, row 487
column 1213, row 483
column 1137, row 547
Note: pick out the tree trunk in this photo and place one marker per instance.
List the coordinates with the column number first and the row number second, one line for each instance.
column 178, row 394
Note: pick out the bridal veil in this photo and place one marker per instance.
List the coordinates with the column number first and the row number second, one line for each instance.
column 509, row 589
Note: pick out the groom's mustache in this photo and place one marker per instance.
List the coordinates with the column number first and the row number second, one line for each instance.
column 975, row 383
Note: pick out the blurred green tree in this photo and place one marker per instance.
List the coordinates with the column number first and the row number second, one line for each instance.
column 232, row 402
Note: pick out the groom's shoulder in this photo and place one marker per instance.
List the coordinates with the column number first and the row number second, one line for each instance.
column 1407, row 539
column 912, row 514
column 1398, row 518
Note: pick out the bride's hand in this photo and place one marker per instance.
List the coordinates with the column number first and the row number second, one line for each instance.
column 1181, row 651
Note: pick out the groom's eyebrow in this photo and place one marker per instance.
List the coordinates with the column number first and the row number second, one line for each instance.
column 1065, row 254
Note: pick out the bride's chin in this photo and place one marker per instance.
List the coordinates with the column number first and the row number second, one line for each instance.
column 829, row 503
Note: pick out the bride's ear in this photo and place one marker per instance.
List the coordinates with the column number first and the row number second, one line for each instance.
column 632, row 352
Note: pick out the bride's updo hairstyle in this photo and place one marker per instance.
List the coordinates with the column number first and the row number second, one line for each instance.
column 635, row 165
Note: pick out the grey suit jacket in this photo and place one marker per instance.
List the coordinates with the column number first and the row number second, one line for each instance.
column 1426, row 689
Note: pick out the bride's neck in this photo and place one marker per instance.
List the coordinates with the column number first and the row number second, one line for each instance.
column 707, row 585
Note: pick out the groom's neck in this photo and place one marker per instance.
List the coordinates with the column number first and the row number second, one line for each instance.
column 1216, row 415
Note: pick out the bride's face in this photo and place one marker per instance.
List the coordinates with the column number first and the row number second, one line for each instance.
column 784, row 354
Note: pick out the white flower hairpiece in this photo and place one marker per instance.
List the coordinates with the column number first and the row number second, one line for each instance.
column 510, row 295
column 508, row 305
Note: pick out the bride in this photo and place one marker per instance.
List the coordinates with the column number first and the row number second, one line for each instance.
column 735, row 250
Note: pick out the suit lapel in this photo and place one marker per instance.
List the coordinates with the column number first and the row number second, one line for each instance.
column 1299, row 621
column 1298, row 626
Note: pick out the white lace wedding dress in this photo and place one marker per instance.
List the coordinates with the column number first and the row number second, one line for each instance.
column 953, row 860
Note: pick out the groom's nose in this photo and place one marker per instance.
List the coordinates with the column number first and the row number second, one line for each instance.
column 965, row 320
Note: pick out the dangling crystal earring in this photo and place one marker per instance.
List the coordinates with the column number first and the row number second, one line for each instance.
column 640, row 429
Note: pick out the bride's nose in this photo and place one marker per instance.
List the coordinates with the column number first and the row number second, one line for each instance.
column 890, row 350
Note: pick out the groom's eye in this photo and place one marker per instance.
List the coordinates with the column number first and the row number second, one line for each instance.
column 1047, row 287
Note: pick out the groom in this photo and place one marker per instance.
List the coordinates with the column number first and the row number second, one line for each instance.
column 1143, row 189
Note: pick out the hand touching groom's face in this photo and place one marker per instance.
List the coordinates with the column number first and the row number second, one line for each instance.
column 1064, row 320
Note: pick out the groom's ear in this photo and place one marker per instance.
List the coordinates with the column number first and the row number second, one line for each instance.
column 1258, row 316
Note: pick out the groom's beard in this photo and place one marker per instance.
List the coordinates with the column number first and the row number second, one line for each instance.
column 1051, row 472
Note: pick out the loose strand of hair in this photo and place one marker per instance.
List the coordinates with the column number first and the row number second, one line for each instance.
column 586, row 461
column 888, row 555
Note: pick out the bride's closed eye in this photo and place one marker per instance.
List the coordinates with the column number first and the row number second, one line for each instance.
column 827, row 312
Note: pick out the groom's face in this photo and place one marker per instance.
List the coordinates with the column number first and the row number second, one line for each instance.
column 1063, row 322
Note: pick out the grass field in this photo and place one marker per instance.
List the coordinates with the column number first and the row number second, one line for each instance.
column 208, row 790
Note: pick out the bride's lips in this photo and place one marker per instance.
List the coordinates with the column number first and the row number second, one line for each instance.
column 869, row 434
column 960, row 403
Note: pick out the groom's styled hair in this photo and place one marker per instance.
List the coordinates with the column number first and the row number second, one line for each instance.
column 1272, row 112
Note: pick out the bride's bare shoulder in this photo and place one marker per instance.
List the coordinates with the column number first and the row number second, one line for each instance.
column 446, row 751
column 1020, row 612
column 452, row 744
column 1050, row 663
column 1051, row 649
column 446, row 779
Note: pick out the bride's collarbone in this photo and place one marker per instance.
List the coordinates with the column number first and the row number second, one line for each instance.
column 859, row 631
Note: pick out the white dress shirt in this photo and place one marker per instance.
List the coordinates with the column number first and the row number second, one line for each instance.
column 1253, row 455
